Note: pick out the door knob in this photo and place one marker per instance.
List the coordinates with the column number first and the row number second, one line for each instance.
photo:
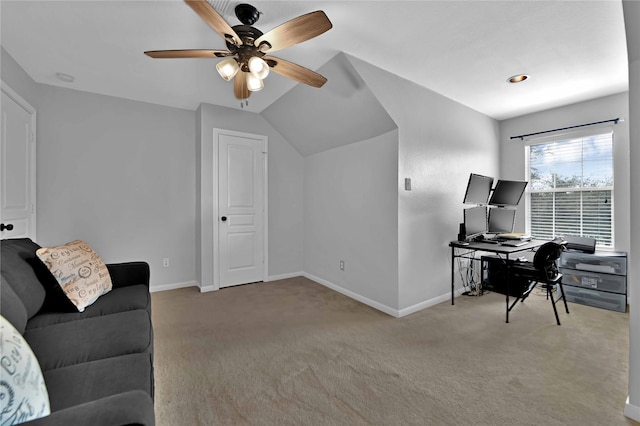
column 8, row 227
column 223, row 218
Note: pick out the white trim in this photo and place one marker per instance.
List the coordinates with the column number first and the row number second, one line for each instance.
column 632, row 411
column 284, row 276
column 4, row 87
column 377, row 305
column 172, row 286
column 372, row 303
column 429, row 303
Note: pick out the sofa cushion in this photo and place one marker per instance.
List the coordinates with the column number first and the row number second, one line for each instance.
column 17, row 255
column 73, row 342
column 117, row 300
column 79, row 270
column 81, row 383
column 127, row 408
column 12, row 307
column 128, row 273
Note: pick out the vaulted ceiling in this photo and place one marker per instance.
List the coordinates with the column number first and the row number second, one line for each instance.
column 464, row 50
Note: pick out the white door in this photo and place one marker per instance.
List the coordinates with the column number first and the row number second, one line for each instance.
column 17, row 167
column 241, row 212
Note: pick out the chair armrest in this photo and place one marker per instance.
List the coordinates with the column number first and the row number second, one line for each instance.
column 129, row 273
column 128, row 408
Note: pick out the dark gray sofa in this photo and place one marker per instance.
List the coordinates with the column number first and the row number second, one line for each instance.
column 97, row 364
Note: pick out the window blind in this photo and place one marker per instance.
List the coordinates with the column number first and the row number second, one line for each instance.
column 571, row 188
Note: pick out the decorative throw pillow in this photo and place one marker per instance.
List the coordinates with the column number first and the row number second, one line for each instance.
column 79, row 270
column 23, row 394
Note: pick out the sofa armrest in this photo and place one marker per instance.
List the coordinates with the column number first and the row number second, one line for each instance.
column 127, row 408
column 129, row 273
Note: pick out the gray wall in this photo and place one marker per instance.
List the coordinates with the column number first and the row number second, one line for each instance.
column 12, row 74
column 351, row 214
column 120, row 175
column 512, row 152
column 440, row 143
column 116, row 173
column 343, row 111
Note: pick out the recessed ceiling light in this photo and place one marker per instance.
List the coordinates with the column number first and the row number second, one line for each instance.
column 518, row 78
column 65, row 77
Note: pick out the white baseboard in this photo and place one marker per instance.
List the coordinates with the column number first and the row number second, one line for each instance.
column 632, row 411
column 426, row 304
column 284, row 276
column 377, row 305
column 369, row 302
column 172, row 286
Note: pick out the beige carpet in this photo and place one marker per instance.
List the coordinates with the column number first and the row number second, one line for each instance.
column 293, row 352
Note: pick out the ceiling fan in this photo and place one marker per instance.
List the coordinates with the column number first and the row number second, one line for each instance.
column 248, row 56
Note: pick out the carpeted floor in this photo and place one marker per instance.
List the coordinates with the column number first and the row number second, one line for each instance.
column 293, row 352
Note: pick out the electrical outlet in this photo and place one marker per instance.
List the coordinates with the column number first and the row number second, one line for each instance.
column 165, row 262
column 342, row 265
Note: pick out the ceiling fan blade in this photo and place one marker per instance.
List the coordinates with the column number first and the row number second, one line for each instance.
column 187, row 53
column 240, row 88
column 215, row 21
column 295, row 31
column 295, row 72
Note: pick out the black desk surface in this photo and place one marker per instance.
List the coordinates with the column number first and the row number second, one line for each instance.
column 496, row 247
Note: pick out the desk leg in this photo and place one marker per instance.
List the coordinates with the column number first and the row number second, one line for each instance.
column 508, row 279
column 452, row 272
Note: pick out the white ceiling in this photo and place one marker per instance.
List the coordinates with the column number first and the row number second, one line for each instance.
column 464, row 50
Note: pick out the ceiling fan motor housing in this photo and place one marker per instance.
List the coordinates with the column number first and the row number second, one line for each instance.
column 248, row 34
column 247, row 14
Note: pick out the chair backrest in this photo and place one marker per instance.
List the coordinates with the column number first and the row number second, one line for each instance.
column 546, row 257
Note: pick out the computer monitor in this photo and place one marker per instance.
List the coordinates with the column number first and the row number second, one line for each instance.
column 507, row 193
column 475, row 221
column 501, row 220
column 478, row 189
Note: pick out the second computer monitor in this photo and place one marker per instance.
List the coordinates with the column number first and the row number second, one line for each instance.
column 501, row 220
column 475, row 221
column 507, row 193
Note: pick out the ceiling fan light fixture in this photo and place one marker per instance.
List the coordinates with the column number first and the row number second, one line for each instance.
column 227, row 68
column 519, row 78
column 258, row 67
column 253, row 83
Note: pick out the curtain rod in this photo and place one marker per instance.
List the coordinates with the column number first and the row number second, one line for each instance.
column 521, row 137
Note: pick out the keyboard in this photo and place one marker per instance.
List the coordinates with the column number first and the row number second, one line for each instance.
column 514, row 243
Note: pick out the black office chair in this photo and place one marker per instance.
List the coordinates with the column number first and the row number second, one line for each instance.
column 544, row 270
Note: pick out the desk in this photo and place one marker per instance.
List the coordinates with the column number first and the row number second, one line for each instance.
column 498, row 249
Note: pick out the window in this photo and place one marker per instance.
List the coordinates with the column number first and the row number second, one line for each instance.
column 571, row 188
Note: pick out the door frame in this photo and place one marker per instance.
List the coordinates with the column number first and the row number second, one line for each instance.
column 7, row 90
column 216, row 216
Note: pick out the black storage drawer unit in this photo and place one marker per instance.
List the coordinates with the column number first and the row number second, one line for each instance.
column 598, row 279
